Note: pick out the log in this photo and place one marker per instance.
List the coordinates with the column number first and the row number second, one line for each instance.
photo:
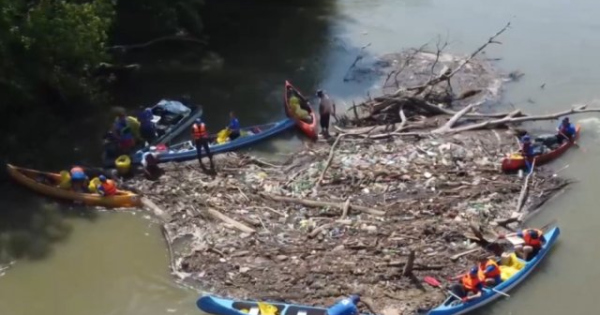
column 323, row 204
column 525, row 189
column 319, row 229
column 156, row 210
column 240, row 226
column 470, row 251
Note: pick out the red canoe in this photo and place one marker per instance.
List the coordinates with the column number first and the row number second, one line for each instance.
column 514, row 161
column 308, row 128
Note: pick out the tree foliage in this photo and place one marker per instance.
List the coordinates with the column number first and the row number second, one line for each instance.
column 49, row 48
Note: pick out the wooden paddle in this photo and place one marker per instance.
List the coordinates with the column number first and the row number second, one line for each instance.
column 436, row 284
column 573, row 141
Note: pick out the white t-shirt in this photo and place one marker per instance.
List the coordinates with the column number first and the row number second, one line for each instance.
column 144, row 162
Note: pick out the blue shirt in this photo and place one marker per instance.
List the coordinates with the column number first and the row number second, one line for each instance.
column 527, row 149
column 234, row 125
column 568, row 130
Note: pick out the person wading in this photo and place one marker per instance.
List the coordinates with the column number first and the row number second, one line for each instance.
column 326, row 109
column 200, row 136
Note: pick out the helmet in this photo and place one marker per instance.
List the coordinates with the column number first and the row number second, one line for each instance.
column 473, row 271
column 102, row 178
column 526, row 138
column 565, row 120
column 198, row 120
column 533, row 234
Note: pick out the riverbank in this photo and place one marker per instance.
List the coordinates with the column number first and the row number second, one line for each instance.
column 261, row 230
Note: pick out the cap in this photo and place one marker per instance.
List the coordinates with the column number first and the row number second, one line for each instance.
column 526, row 138
column 198, row 120
column 473, row 271
column 102, row 178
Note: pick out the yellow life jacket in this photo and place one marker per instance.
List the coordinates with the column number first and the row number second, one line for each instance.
column 134, row 124
column 93, row 186
column 65, row 180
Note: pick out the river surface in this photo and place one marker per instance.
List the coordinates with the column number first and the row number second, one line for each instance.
column 115, row 263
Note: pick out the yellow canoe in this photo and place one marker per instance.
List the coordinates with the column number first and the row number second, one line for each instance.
column 46, row 184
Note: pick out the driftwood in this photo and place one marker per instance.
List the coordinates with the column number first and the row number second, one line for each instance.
column 525, row 189
column 324, row 204
column 408, row 267
column 470, row 251
column 240, row 226
column 327, row 164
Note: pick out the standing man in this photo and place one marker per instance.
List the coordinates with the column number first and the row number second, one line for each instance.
column 326, row 108
column 200, row 136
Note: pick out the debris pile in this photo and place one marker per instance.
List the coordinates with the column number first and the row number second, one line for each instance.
column 341, row 219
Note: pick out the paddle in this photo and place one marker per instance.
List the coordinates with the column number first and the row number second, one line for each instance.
column 573, row 141
column 500, row 292
column 436, row 284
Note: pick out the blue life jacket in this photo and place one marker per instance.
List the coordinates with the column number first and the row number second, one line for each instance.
column 234, row 125
column 568, row 130
column 344, row 307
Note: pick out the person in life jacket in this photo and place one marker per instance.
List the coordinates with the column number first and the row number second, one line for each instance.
column 528, row 152
column 489, row 271
column 345, row 307
column 200, row 136
column 124, row 133
column 78, row 179
column 565, row 131
column 107, row 186
column 533, row 241
column 470, row 287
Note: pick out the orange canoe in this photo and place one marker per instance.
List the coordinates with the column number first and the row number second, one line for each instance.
column 46, row 184
column 308, row 128
column 515, row 161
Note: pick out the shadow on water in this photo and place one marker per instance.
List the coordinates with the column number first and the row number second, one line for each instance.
column 29, row 224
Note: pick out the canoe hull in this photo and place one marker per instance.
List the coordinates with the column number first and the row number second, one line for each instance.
column 26, row 178
column 489, row 295
column 310, row 130
column 220, row 306
column 512, row 164
column 268, row 130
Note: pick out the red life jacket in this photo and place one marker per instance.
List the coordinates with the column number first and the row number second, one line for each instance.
column 530, row 241
column 109, row 187
column 199, row 131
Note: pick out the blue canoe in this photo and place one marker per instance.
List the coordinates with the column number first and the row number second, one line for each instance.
column 186, row 151
column 219, row 306
column 453, row 307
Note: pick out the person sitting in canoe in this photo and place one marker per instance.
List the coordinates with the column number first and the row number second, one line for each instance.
column 78, row 179
column 296, row 108
column 470, row 287
column 565, row 131
column 489, row 271
column 107, row 187
column 533, row 241
column 528, row 152
column 233, row 127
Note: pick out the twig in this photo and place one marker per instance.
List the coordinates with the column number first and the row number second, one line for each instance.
column 345, row 209
column 270, row 209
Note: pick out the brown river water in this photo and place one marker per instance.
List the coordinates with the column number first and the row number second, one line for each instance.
column 116, row 263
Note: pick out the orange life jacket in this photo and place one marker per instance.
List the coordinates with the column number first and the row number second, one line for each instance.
column 470, row 283
column 492, row 274
column 530, row 241
column 109, row 187
column 199, row 132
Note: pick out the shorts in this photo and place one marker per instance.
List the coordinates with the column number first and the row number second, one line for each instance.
column 325, row 121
